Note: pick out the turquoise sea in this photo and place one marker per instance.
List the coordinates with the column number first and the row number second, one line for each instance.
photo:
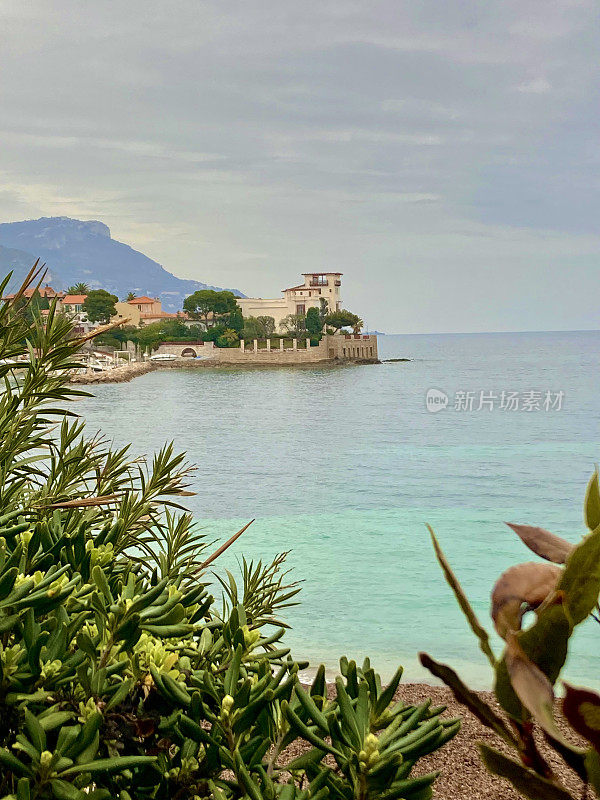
column 343, row 467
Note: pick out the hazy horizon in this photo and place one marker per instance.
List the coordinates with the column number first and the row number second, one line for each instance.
column 443, row 157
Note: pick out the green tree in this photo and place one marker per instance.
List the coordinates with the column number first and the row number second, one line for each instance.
column 149, row 337
column 236, row 320
column 293, row 324
column 268, row 324
column 212, row 334
column 258, row 327
column 130, row 296
column 78, row 288
column 323, row 310
column 314, row 326
column 228, row 338
column 99, row 305
column 342, row 319
column 209, row 306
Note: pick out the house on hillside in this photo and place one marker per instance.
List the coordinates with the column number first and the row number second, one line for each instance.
column 144, row 311
column 72, row 305
column 44, row 291
column 317, row 287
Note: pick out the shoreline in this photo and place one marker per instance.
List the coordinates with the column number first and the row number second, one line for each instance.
column 462, row 774
column 117, row 375
column 129, row 371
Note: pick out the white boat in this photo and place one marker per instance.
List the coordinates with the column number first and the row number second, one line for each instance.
column 163, row 357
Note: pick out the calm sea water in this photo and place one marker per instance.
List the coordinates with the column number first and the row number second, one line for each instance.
column 345, row 466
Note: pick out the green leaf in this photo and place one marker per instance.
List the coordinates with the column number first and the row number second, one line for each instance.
column 545, row 644
column 121, row 693
column 305, row 732
column 316, row 716
column 245, row 778
column 54, row 720
column 592, row 767
column 592, row 503
column 461, row 598
column 23, row 789
column 348, row 715
column 111, row 764
column 13, row 763
column 35, row 730
column 66, row 791
column 386, row 697
column 580, row 581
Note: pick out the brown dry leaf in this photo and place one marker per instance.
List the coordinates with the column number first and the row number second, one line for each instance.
column 543, row 543
column 581, row 707
column 532, row 687
column 84, row 502
column 521, row 588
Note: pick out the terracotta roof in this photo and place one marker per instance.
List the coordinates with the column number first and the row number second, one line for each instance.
column 44, row 291
column 157, row 315
column 74, row 299
column 143, row 300
column 303, row 286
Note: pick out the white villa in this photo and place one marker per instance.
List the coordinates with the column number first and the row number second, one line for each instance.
column 317, row 286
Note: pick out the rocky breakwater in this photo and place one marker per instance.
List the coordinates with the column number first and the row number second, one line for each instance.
column 116, row 375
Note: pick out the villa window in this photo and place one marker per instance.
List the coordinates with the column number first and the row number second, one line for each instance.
column 300, row 308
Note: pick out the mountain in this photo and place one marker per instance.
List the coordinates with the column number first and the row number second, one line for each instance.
column 74, row 251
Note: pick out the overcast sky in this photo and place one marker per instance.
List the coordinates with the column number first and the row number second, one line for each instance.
column 442, row 154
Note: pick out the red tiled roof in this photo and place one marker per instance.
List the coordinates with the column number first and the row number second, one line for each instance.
column 44, row 291
column 303, row 286
column 142, row 300
column 74, row 299
column 157, row 315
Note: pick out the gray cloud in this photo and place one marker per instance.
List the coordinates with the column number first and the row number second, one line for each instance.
column 442, row 155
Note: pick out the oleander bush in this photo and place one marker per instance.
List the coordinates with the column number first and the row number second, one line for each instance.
column 120, row 675
column 562, row 593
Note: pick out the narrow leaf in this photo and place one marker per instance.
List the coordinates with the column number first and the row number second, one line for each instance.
column 543, row 543
column 484, row 712
column 592, row 503
column 476, row 627
column 532, row 688
column 528, row 783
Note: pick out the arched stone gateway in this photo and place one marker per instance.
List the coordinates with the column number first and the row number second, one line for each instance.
column 188, row 352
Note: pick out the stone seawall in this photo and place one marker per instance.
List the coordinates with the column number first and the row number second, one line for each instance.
column 330, row 352
column 116, row 375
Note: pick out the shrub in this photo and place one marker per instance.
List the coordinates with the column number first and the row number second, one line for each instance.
column 228, row 338
column 314, row 324
column 562, row 593
column 120, row 677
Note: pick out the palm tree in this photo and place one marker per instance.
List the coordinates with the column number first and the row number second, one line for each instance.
column 130, row 296
column 358, row 325
column 78, row 288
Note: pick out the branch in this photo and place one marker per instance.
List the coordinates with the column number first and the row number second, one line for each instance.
column 222, row 549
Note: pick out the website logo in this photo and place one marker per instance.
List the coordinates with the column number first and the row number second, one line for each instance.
column 435, row 400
